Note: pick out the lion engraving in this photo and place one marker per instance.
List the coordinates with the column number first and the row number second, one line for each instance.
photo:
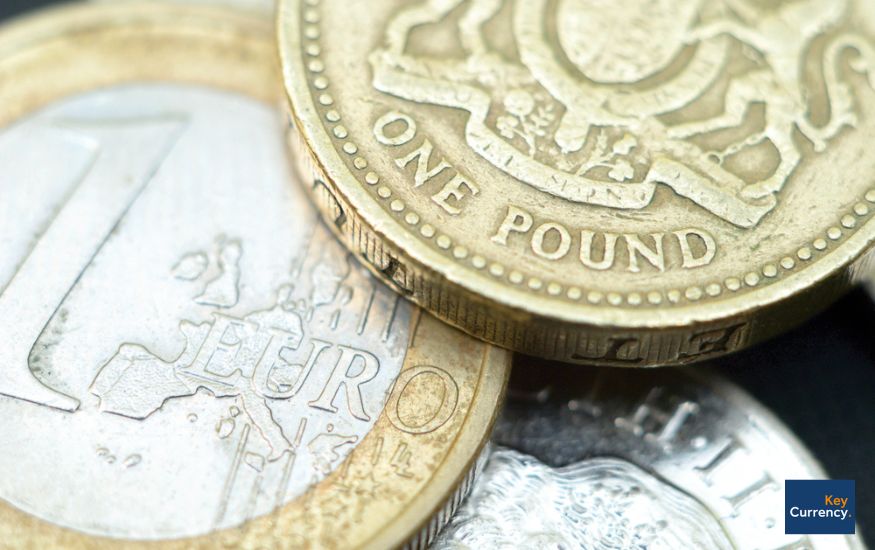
column 585, row 117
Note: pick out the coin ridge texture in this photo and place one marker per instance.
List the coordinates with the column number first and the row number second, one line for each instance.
column 103, row 90
column 439, row 135
column 669, row 459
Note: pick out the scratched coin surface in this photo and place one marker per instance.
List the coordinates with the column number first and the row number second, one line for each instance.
column 664, row 460
column 624, row 183
column 190, row 359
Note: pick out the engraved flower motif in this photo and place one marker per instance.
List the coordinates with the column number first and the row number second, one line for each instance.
column 507, row 126
column 613, row 157
column 622, row 171
column 519, row 103
column 625, row 145
column 526, row 118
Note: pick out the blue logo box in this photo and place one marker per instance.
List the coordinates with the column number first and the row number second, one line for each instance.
column 820, row 507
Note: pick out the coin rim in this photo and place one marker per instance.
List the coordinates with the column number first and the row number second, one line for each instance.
column 761, row 419
column 752, row 407
column 254, row 35
column 434, row 269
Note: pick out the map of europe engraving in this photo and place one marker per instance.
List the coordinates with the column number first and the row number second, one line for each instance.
column 172, row 361
column 260, row 357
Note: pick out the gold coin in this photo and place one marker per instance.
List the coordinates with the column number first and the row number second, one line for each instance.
column 625, row 183
column 191, row 359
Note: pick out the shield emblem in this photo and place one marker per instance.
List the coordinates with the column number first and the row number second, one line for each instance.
column 624, row 41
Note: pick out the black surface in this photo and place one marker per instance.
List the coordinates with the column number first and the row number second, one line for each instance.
column 11, row 8
column 819, row 379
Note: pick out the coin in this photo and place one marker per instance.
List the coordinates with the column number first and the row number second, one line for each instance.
column 265, row 6
column 190, row 359
column 621, row 183
column 665, row 459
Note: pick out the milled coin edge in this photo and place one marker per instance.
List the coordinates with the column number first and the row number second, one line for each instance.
column 511, row 318
column 253, row 36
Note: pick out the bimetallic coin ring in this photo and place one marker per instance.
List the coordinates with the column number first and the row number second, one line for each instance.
column 190, row 359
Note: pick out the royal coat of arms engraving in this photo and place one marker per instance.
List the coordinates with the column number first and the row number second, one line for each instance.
column 602, row 102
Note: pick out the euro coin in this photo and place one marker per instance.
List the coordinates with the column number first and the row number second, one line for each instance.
column 190, row 359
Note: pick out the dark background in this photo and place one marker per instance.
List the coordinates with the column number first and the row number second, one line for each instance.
column 8, row 8
column 819, row 379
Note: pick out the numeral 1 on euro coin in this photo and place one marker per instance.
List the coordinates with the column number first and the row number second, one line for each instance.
column 125, row 155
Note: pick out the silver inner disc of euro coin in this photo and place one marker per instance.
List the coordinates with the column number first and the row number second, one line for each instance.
column 185, row 346
column 607, row 459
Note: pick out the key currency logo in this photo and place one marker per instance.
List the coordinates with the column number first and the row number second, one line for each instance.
column 820, row 507
column 597, row 110
column 597, row 459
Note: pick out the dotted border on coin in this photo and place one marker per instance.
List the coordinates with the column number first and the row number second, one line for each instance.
column 768, row 273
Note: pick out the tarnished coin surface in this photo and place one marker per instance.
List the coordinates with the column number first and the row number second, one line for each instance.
column 190, row 359
column 623, row 183
column 266, row 7
column 595, row 459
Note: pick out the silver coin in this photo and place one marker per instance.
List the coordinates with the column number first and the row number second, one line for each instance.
column 160, row 277
column 608, row 459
